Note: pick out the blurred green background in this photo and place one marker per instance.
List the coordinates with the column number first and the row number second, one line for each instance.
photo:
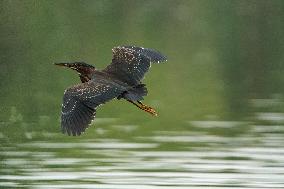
column 219, row 96
column 220, row 55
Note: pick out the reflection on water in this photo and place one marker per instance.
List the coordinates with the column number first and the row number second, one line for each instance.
column 189, row 158
column 219, row 96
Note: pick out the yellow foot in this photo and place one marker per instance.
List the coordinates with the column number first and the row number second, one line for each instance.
column 148, row 109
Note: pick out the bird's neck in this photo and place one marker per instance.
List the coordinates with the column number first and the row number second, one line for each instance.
column 86, row 74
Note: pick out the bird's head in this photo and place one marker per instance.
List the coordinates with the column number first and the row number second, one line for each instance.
column 80, row 67
column 84, row 70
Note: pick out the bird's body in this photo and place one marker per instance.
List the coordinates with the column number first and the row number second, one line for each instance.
column 121, row 79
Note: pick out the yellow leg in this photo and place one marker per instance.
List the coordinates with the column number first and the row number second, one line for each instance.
column 144, row 107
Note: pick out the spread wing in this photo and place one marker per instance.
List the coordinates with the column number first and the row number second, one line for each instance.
column 80, row 103
column 130, row 63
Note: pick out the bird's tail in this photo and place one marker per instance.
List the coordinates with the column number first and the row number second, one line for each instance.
column 136, row 93
column 141, row 89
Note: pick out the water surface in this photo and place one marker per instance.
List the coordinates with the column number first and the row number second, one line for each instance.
column 220, row 95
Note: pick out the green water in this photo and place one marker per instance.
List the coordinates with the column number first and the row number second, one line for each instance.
column 219, row 96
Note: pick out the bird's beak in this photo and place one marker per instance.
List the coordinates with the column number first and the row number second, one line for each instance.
column 62, row 64
column 68, row 65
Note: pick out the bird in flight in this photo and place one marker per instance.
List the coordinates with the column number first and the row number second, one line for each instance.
column 121, row 79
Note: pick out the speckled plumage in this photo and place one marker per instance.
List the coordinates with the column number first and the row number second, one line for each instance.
column 121, row 79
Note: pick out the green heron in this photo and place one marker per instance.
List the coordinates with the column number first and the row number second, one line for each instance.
column 121, row 79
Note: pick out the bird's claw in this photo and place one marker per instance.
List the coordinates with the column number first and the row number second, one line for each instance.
column 148, row 109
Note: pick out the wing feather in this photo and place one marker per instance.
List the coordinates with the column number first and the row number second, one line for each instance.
column 153, row 55
column 130, row 63
column 80, row 103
